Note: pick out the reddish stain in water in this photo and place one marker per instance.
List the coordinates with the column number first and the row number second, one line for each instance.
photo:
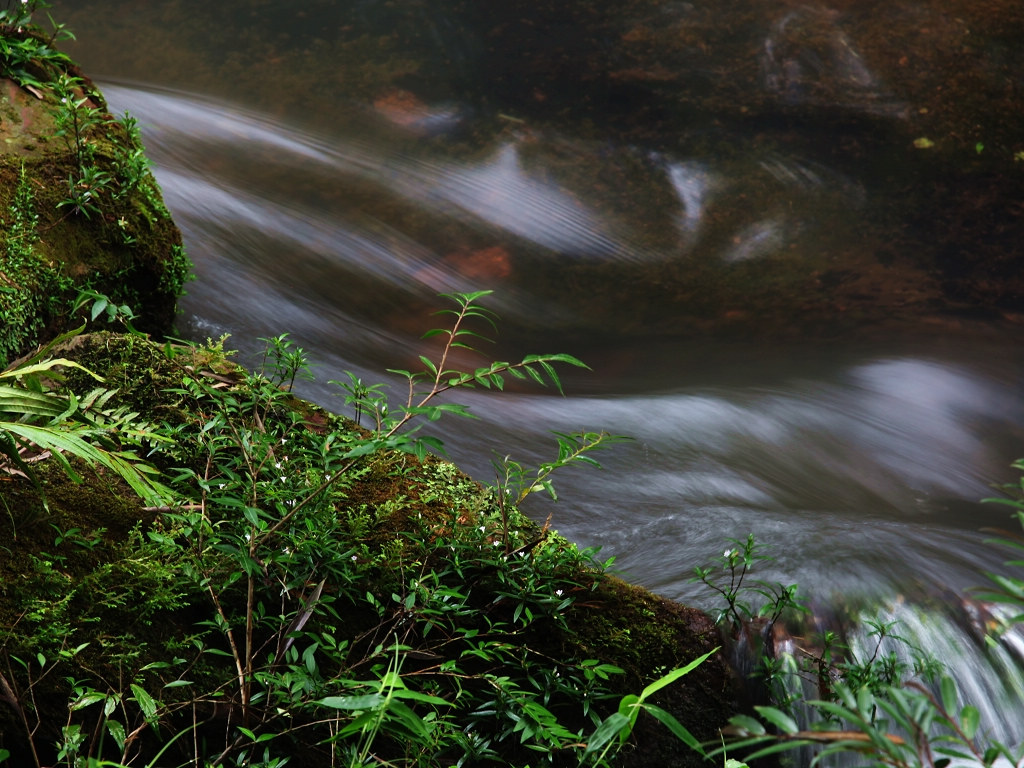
column 492, row 263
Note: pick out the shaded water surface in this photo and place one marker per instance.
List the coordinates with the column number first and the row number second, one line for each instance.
column 805, row 315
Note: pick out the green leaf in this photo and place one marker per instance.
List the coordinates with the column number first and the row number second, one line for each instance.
column 782, row 746
column 117, row 733
column 779, row 719
column 364, row 701
column 146, row 702
column 466, row 299
column 17, row 400
column 865, row 701
column 970, row 719
column 409, row 719
column 58, row 440
column 87, row 699
column 429, row 364
column 674, row 675
column 98, row 306
column 252, row 514
column 959, row 754
column 948, row 689
column 32, row 367
column 628, row 706
column 747, row 725
column 405, row 693
column 670, row 722
column 614, row 725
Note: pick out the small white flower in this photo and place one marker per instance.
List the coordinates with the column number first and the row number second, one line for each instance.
column 558, row 592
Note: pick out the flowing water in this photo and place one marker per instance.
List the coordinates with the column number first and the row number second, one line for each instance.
column 735, row 231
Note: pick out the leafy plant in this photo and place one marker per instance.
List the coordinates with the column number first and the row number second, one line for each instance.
column 30, row 288
column 27, row 55
column 514, row 482
column 19, row 310
column 730, row 578
column 389, row 421
column 100, row 305
column 1008, row 590
column 35, row 423
column 617, row 727
column 905, row 726
column 77, row 117
column 880, row 708
column 426, row 628
column 267, row 509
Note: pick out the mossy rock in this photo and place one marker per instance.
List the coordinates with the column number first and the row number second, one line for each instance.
column 401, row 510
column 78, row 213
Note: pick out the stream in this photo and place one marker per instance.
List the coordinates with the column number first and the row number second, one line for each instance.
column 806, row 324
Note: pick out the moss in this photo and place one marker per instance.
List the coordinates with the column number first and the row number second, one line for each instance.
column 138, row 369
column 648, row 635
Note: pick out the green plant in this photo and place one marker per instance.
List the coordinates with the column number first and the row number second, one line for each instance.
column 904, row 726
column 1009, row 590
column 427, row 627
column 177, row 269
column 101, row 305
column 27, row 55
column 271, row 540
column 514, row 482
column 617, row 727
column 93, row 186
column 730, row 579
column 129, row 156
column 31, row 290
column 35, row 422
column 76, row 119
column 436, row 378
column 20, row 309
column 884, row 710
column 383, row 707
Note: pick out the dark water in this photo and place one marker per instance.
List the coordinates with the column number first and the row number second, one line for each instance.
column 805, row 316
